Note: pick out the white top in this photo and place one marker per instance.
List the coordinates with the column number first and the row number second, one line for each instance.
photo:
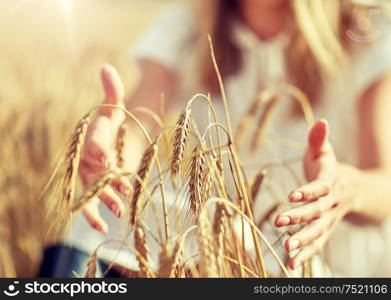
column 352, row 251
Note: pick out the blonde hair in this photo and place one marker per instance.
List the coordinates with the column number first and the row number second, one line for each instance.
column 318, row 44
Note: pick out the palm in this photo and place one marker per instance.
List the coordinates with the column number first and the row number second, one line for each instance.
column 320, row 162
column 99, row 153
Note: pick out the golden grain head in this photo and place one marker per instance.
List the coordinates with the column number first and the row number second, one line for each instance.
column 180, row 140
column 141, row 180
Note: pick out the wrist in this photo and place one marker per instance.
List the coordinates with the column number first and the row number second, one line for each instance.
column 351, row 188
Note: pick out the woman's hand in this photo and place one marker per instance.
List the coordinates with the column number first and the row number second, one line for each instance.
column 99, row 154
column 324, row 198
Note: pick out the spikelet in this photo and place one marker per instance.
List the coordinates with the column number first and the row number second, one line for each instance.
column 143, row 173
column 199, row 180
column 143, row 252
column 180, row 140
column 91, row 265
column 120, row 144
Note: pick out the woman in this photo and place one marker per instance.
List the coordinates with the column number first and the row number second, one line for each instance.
column 326, row 48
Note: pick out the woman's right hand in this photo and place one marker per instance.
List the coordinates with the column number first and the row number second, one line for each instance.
column 99, row 152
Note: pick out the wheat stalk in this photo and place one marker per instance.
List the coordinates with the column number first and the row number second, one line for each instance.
column 248, row 118
column 263, row 124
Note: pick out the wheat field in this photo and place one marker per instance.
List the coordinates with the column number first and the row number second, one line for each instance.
column 50, row 55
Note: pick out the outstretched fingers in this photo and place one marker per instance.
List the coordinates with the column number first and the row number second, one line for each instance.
column 91, row 212
column 311, row 191
column 305, row 213
column 114, row 93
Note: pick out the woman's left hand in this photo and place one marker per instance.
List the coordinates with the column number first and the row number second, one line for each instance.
column 324, row 198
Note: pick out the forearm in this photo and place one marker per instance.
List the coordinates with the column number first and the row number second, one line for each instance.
column 154, row 95
column 369, row 191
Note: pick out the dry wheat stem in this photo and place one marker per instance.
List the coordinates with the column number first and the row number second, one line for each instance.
column 252, row 225
column 248, row 270
column 263, row 124
column 150, row 113
column 236, row 162
column 130, row 248
column 212, row 109
column 249, row 116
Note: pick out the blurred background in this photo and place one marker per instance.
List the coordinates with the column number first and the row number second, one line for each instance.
column 50, row 55
column 51, row 52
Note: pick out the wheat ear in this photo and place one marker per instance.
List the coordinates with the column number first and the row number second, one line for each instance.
column 143, row 251
column 120, row 145
column 256, row 184
column 206, row 243
column 72, row 160
column 143, row 174
column 91, row 265
column 199, row 180
column 95, row 189
column 180, row 140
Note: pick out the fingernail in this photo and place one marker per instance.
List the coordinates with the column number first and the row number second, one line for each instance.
column 297, row 196
column 294, row 244
column 100, row 228
column 104, row 162
column 125, row 191
column 283, row 220
column 114, row 208
column 122, row 190
column 294, row 264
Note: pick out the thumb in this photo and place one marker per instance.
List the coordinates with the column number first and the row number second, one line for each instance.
column 114, row 92
column 318, row 137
